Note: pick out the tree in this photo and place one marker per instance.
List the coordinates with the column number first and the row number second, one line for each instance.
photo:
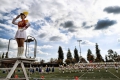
column 76, row 56
column 6, row 56
column 83, row 60
column 90, row 56
column 51, row 60
column 60, row 54
column 106, row 58
column 67, row 61
column 118, row 58
column 113, row 56
column 74, row 61
column 60, row 61
column 110, row 54
column 42, row 61
column 98, row 55
column 2, row 55
column 69, row 55
column 55, row 60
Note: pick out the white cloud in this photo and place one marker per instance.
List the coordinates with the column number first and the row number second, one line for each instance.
column 43, row 53
column 118, row 39
column 61, row 11
column 46, row 47
column 7, row 27
column 39, row 51
column 4, row 43
column 52, row 31
column 12, row 48
column 12, row 54
column 86, row 42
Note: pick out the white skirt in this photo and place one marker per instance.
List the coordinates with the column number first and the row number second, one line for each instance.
column 20, row 34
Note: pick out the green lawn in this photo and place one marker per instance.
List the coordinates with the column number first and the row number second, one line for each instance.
column 95, row 75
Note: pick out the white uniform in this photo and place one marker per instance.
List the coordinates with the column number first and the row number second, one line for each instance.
column 21, row 33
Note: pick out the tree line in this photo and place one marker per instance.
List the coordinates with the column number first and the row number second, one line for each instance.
column 111, row 57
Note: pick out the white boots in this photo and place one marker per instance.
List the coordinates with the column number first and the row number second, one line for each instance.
column 20, row 52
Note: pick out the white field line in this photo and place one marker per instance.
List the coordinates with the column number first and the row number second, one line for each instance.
column 82, row 75
column 113, row 74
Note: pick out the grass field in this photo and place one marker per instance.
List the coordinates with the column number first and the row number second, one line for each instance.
column 95, row 75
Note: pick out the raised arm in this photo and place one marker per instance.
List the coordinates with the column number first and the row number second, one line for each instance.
column 13, row 21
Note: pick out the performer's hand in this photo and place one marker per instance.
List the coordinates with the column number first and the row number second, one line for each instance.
column 22, row 29
column 17, row 16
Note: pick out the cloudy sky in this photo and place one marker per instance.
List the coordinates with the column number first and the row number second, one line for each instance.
column 57, row 23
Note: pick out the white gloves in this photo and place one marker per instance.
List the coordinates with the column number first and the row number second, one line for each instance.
column 28, row 24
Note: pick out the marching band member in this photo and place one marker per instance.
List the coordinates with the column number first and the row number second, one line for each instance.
column 47, row 69
column 70, row 68
column 21, row 32
column 92, row 67
column 116, row 68
column 60, row 68
column 53, row 69
column 105, row 67
column 66, row 68
column 81, row 68
column 99, row 68
column 63, row 68
column 40, row 70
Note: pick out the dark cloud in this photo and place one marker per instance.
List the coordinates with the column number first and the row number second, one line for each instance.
column 3, row 43
column 72, row 29
column 104, row 24
column 4, row 21
column 55, row 38
column 112, row 9
column 84, row 42
column 4, row 31
column 42, row 35
column 67, row 24
column 87, row 27
column 84, row 25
